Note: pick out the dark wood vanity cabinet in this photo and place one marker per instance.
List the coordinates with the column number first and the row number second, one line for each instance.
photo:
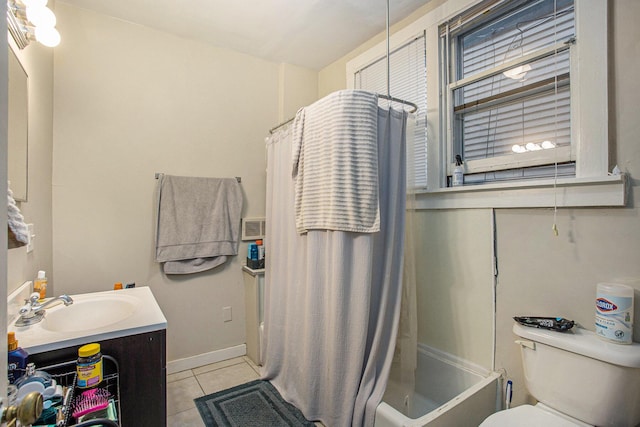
column 142, row 371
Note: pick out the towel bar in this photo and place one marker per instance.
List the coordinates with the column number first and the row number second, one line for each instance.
column 238, row 178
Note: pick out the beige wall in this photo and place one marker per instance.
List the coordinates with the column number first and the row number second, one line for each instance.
column 130, row 102
column 298, row 87
column 454, row 270
column 541, row 274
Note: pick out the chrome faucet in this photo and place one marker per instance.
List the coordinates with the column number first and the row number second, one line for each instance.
column 33, row 311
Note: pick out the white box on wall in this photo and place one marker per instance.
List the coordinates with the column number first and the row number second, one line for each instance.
column 253, row 228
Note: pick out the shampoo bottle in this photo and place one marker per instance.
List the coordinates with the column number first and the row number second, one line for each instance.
column 17, row 358
column 40, row 285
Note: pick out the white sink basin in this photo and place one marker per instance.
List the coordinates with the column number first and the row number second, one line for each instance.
column 93, row 317
column 90, row 313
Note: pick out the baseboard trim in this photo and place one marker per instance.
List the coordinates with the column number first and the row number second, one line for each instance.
column 178, row 365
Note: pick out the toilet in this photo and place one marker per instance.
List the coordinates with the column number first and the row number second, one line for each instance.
column 577, row 378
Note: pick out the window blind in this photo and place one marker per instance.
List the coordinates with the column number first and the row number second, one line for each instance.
column 511, row 76
column 407, row 82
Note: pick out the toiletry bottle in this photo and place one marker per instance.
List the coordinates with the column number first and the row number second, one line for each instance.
column 458, row 172
column 117, row 286
column 40, row 285
column 89, row 366
column 260, row 253
column 17, row 358
column 253, row 251
column 31, row 374
column 260, row 249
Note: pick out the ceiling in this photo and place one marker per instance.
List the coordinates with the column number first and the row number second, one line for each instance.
column 309, row 33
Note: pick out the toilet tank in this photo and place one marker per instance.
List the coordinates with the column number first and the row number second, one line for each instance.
column 581, row 375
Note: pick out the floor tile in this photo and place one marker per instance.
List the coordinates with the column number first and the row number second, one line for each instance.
column 253, row 365
column 189, row 418
column 179, row 376
column 228, row 377
column 217, row 365
column 180, row 395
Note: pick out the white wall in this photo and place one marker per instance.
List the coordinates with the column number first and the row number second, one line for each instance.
column 129, row 102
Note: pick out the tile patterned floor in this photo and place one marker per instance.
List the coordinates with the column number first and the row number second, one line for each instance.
column 183, row 387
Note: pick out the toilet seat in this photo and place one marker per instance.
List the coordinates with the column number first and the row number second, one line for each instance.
column 527, row 416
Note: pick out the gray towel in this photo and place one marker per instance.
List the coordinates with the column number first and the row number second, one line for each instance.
column 198, row 222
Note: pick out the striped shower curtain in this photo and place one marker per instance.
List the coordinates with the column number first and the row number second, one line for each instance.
column 332, row 298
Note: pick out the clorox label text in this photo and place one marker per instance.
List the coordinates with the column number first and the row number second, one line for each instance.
column 605, row 305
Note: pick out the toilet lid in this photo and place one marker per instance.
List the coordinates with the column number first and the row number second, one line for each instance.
column 526, row 416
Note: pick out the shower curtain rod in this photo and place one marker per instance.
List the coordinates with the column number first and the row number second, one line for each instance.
column 413, row 109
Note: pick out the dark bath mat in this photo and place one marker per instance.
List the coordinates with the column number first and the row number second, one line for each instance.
column 254, row 404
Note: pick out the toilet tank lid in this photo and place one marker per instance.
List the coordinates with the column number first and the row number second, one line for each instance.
column 584, row 342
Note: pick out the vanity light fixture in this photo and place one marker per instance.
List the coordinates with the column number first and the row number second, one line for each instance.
column 29, row 20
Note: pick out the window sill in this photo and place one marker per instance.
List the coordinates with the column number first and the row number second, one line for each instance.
column 609, row 191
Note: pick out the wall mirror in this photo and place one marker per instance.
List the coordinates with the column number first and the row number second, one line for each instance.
column 18, row 134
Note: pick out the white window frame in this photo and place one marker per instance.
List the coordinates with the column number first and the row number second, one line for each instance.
column 592, row 185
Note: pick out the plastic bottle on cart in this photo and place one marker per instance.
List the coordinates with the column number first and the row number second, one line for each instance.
column 17, row 358
column 89, row 366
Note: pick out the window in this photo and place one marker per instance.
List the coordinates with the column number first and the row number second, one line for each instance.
column 503, row 77
column 407, row 69
column 508, row 97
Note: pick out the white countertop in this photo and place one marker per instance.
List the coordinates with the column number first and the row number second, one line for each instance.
column 147, row 317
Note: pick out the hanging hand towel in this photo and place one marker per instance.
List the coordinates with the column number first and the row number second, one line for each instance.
column 198, row 222
column 18, row 231
column 335, row 163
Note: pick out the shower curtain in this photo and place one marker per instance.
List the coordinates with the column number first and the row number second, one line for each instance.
column 332, row 298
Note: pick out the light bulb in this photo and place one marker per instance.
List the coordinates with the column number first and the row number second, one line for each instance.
column 41, row 16
column 34, row 3
column 548, row 144
column 48, row 36
column 518, row 149
column 532, row 147
column 518, row 72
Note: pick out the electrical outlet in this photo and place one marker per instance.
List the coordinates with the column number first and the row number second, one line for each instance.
column 226, row 314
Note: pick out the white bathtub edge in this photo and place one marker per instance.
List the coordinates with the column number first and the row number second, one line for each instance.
column 454, row 360
column 489, row 381
column 490, row 378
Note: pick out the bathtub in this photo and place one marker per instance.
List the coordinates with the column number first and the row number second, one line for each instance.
column 447, row 393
